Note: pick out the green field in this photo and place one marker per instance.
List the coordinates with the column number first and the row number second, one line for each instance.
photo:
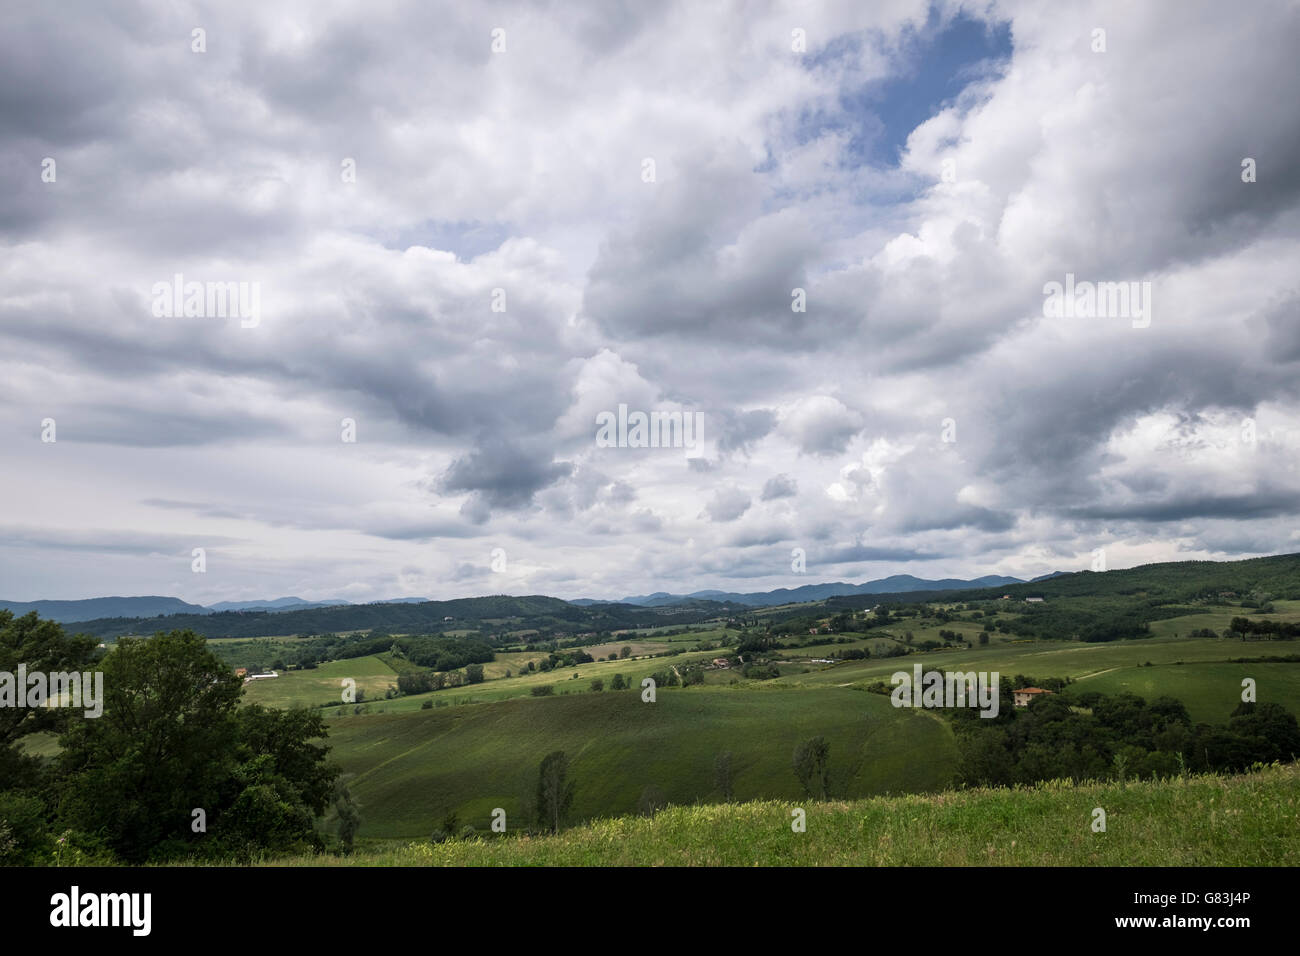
column 410, row 766
column 413, row 768
column 1247, row 820
column 562, row 679
column 1218, row 618
column 513, row 660
column 1210, row 691
column 307, row 688
column 1042, row 659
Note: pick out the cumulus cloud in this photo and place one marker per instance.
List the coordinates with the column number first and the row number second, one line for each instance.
column 779, row 486
column 727, row 504
column 838, row 262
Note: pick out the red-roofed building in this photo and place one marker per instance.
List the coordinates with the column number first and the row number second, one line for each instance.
column 1023, row 695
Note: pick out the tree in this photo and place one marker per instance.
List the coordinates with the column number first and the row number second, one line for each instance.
column 345, row 806
column 554, row 790
column 810, row 766
column 652, row 801
column 161, row 747
column 618, row 683
column 172, row 738
column 625, row 652
column 722, row 775
column 597, row 684
column 280, row 783
column 43, row 647
column 984, row 637
column 415, row 682
column 983, row 759
column 474, row 673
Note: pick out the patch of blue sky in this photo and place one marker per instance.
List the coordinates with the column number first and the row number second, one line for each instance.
column 467, row 240
column 929, row 66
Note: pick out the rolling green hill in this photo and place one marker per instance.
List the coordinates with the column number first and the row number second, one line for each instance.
column 412, row 768
column 1244, row 820
column 501, row 611
column 1211, row 690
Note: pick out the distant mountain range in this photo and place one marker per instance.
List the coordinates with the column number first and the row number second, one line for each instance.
column 894, row 584
column 1177, row 582
column 92, row 609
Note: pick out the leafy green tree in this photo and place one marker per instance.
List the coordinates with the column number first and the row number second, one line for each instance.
column 280, row 783
column 25, row 798
column 625, row 652
column 42, row 646
column 554, row 790
column 983, row 759
column 597, row 684
column 348, row 812
column 163, row 746
column 171, row 739
column 618, row 683
column 474, row 673
column 1271, row 729
column 811, row 760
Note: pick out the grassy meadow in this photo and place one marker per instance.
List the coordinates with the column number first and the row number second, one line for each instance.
column 467, row 750
column 308, row 688
column 412, row 768
column 1242, row 820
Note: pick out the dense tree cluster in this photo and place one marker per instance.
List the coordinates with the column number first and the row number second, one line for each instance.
column 174, row 767
column 1274, row 630
column 1091, row 737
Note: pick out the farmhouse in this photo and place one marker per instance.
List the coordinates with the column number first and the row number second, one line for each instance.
column 252, row 677
column 721, row 662
column 241, row 671
column 1022, row 696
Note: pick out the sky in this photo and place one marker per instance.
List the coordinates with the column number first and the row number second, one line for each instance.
column 828, row 232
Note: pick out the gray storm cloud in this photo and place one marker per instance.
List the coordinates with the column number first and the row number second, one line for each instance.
column 499, row 271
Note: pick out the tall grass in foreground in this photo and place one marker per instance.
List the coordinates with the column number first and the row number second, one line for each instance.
column 1245, row 820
